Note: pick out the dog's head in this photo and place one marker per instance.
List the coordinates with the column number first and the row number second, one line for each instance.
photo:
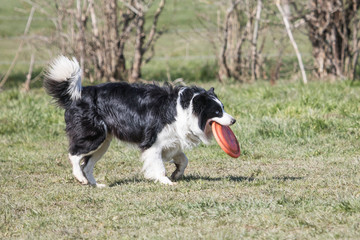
column 205, row 108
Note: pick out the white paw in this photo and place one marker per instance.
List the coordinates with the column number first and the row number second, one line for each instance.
column 99, row 185
column 165, row 180
column 82, row 180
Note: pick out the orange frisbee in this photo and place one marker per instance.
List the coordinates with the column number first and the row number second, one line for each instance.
column 226, row 139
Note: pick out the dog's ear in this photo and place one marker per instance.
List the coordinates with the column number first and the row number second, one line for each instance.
column 211, row 90
column 199, row 102
column 185, row 98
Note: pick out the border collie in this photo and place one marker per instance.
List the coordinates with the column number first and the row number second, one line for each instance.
column 162, row 121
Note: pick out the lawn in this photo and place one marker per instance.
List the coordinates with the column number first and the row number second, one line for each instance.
column 297, row 178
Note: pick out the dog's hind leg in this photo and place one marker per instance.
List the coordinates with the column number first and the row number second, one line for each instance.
column 95, row 156
column 77, row 172
column 87, row 134
column 181, row 162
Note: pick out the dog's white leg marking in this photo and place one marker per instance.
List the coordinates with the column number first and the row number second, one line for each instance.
column 181, row 162
column 89, row 167
column 153, row 167
column 75, row 161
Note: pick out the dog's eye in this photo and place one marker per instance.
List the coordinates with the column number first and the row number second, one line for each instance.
column 217, row 112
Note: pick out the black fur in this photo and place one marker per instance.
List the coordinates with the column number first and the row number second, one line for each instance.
column 133, row 113
column 58, row 90
column 136, row 113
column 204, row 107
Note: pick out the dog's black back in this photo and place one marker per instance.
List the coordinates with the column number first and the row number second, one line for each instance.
column 134, row 113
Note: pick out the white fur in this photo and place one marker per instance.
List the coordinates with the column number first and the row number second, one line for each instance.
column 226, row 118
column 75, row 161
column 167, row 145
column 153, row 167
column 219, row 102
column 63, row 69
column 171, row 141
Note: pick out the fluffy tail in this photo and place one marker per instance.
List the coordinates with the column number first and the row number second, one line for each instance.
column 62, row 80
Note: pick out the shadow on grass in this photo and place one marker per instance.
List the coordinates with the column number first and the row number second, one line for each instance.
column 190, row 178
column 236, row 178
column 287, row 178
column 127, row 181
column 187, row 178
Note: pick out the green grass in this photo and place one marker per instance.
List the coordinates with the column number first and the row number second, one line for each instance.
column 298, row 176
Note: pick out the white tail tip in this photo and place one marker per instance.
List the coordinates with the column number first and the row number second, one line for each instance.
column 63, row 69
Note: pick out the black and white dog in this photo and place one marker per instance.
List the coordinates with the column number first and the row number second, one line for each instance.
column 162, row 121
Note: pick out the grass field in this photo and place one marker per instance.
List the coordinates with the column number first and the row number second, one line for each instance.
column 298, row 176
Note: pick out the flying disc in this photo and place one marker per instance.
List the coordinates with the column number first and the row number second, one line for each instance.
column 226, row 139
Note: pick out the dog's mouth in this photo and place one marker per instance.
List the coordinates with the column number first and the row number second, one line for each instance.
column 209, row 123
column 225, row 121
column 208, row 129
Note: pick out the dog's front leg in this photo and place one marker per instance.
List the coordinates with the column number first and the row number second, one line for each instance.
column 153, row 167
column 181, row 162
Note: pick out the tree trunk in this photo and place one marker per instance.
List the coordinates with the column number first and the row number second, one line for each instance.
column 329, row 24
column 81, row 24
column 224, row 70
column 138, row 55
column 99, row 61
column 141, row 47
column 110, row 39
column 254, row 42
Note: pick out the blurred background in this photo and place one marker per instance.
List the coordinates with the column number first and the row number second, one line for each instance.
column 133, row 40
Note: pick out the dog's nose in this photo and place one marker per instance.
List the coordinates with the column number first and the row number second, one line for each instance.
column 233, row 121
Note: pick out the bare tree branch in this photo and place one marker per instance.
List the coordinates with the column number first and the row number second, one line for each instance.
column 154, row 25
column 28, row 76
column 140, row 46
column 27, row 27
column 292, row 40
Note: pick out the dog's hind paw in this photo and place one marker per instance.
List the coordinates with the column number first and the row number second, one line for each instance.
column 177, row 175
